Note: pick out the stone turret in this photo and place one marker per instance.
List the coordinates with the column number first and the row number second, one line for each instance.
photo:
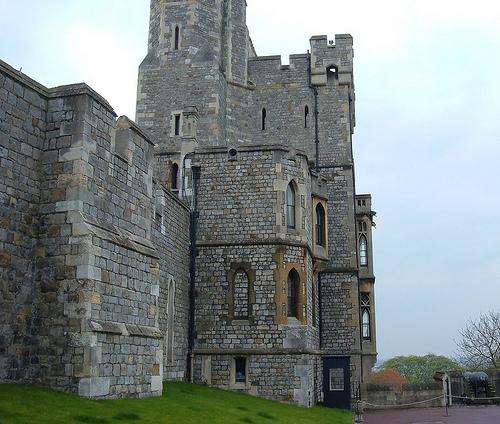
column 194, row 49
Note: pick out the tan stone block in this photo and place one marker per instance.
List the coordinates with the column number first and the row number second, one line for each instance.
column 156, row 369
column 50, row 297
column 5, row 258
column 104, row 277
column 57, row 194
column 54, row 231
column 40, row 252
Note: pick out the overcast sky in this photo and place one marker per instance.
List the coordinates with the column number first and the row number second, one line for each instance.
column 427, row 77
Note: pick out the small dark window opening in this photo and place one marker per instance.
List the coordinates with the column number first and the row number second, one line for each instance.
column 293, row 291
column 240, row 365
column 264, row 118
column 177, row 125
column 363, row 251
column 174, row 177
column 290, row 206
column 176, row 38
column 320, row 225
column 306, row 117
column 332, row 72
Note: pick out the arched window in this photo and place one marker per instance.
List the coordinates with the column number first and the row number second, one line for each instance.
column 170, row 321
column 320, row 225
column 290, row 206
column 241, row 295
column 264, row 119
column 306, row 116
column 365, row 317
column 363, row 251
column 176, row 38
column 174, row 176
column 293, row 293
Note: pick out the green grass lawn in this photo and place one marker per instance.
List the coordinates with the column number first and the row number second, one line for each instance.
column 181, row 403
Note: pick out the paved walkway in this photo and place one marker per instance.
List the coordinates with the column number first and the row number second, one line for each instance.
column 456, row 415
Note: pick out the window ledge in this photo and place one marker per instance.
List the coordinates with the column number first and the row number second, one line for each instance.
column 239, row 386
column 293, row 322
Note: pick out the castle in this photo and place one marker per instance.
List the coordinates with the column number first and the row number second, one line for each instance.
column 217, row 239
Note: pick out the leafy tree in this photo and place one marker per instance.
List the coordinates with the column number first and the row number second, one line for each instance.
column 479, row 347
column 420, row 369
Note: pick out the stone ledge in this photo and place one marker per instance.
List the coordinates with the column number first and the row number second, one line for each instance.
column 114, row 235
column 119, row 328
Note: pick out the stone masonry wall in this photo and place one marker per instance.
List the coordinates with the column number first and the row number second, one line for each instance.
column 171, row 237
column 23, row 114
column 286, row 378
column 242, row 226
column 87, row 316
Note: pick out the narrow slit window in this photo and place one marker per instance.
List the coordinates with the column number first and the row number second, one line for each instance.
column 366, row 323
column 177, row 124
column 264, row 119
column 320, row 226
column 174, row 177
column 290, row 206
column 306, row 117
column 293, row 292
column 176, row 38
column 363, row 251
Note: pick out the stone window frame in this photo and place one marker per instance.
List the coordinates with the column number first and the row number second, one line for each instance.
column 320, row 224
column 291, row 203
column 293, row 285
column 281, row 291
column 233, row 383
column 300, row 208
column 365, row 302
column 173, row 116
column 176, row 40
column 173, row 185
column 235, row 268
column 363, row 251
column 319, row 250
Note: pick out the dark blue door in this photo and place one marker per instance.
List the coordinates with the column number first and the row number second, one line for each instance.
column 337, row 382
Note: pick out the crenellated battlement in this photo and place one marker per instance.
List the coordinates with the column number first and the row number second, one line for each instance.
column 331, row 56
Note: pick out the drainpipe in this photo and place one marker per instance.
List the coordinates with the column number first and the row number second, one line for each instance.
column 316, row 111
column 192, row 272
column 320, row 314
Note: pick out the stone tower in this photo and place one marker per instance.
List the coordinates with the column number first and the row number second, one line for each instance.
column 203, row 41
column 253, row 127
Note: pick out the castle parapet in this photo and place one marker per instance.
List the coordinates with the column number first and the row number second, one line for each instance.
column 331, row 59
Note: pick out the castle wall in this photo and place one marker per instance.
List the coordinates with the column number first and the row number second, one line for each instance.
column 86, row 318
column 242, row 226
column 23, row 114
column 168, row 73
column 294, row 378
column 171, row 238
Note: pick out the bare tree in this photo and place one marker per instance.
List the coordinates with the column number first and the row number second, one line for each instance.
column 480, row 344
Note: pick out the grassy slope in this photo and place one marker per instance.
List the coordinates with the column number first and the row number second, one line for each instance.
column 181, row 403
